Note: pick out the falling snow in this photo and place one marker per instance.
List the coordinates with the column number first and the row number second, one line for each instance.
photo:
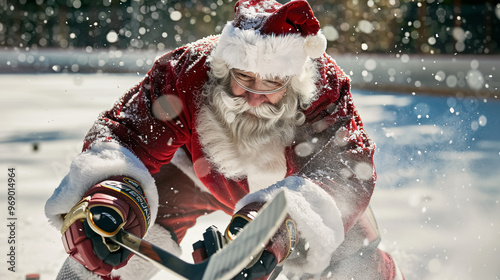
column 424, row 82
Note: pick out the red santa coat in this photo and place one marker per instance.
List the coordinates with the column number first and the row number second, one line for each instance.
column 329, row 186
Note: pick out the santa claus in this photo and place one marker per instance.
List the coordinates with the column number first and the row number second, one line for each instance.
column 223, row 124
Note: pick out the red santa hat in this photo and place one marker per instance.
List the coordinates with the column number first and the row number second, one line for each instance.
column 271, row 39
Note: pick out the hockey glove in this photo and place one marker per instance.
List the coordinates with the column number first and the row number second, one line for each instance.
column 116, row 203
column 276, row 251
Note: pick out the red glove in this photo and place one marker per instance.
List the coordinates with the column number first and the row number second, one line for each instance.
column 116, row 203
column 276, row 251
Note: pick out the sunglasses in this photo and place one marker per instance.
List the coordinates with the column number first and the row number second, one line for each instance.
column 266, row 86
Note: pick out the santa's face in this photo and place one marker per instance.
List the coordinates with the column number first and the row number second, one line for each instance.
column 253, row 88
column 241, row 130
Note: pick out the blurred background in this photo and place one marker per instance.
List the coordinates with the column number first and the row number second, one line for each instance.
column 425, row 79
column 353, row 26
column 460, row 36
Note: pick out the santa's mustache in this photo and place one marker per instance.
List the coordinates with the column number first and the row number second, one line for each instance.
column 238, row 105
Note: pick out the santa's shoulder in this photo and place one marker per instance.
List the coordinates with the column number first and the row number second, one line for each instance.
column 332, row 84
column 186, row 66
column 329, row 68
column 189, row 56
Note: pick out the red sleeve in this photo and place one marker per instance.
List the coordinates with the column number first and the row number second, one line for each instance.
column 155, row 118
column 341, row 161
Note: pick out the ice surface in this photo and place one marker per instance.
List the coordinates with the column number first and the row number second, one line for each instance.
column 437, row 201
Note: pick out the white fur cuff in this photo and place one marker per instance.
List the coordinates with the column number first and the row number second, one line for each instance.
column 317, row 216
column 103, row 160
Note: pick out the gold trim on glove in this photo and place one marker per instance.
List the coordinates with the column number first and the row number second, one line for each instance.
column 78, row 212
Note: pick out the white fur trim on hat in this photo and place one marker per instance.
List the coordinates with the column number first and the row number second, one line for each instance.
column 103, row 160
column 267, row 55
column 315, row 45
column 318, row 221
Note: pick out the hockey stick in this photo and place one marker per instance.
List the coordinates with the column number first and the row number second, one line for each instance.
column 224, row 264
column 158, row 256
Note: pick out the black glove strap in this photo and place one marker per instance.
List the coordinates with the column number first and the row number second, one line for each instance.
column 263, row 267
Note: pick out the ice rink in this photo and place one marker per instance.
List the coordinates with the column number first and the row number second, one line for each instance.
column 437, row 201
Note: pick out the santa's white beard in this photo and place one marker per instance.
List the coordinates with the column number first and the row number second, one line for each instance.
column 245, row 141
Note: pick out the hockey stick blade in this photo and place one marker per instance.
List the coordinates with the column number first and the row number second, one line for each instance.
column 224, row 264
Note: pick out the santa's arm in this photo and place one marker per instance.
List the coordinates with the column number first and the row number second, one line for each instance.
column 341, row 161
column 140, row 133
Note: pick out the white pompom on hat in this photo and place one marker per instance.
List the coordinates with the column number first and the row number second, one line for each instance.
column 271, row 39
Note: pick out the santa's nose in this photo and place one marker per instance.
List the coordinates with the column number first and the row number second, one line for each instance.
column 254, row 99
